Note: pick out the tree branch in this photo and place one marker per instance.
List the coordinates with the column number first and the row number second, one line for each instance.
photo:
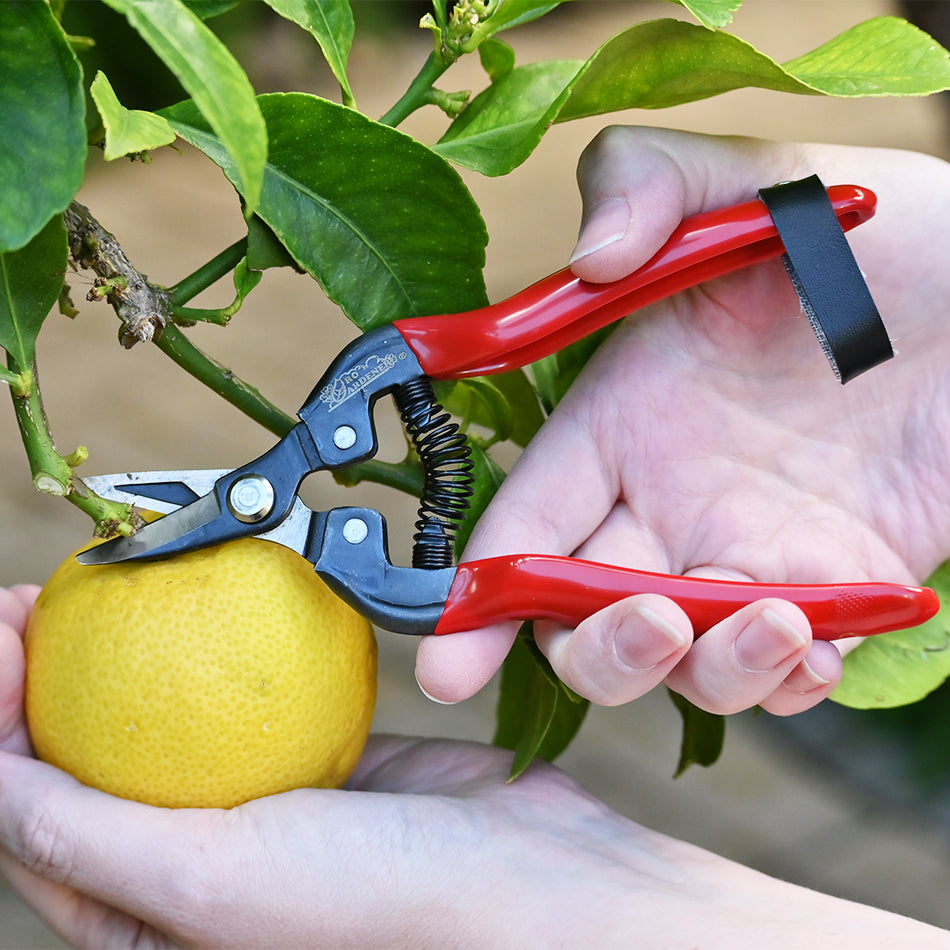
column 146, row 311
column 143, row 308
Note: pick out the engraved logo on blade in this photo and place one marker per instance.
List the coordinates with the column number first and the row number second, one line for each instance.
column 356, row 379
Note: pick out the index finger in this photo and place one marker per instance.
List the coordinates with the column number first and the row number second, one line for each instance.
column 558, row 493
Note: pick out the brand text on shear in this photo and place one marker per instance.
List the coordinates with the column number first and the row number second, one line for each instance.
column 356, row 379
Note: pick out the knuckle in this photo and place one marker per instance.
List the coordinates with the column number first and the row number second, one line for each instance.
column 607, row 142
column 577, row 677
column 787, row 701
column 44, row 845
column 612, row 137
column 589, row 666
column 590, row 688
column 710, row 693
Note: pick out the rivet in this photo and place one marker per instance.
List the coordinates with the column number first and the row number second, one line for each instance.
column 344, row 437
column 251, row 499
column 355, row 530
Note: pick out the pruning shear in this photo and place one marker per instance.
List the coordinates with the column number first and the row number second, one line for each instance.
column 348, row 546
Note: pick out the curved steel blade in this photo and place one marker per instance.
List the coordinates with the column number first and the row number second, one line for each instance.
column 162, row 492
column 159, row 538
column 221, row 514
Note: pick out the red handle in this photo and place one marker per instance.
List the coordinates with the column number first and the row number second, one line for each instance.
column 561, row 309
column 566, row 590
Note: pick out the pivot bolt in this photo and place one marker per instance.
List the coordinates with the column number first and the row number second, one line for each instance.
column 251, row 499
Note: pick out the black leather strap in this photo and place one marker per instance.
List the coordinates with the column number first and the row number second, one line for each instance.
column 827, row 277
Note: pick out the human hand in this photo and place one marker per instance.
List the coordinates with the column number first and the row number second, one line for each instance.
column 436, row 849
column 708, row 437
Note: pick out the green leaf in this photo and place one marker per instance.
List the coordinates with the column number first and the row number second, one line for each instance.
column 895, row 669
column 663, row 63
column 214, row 80
column 479, row 401
column 245, row 280
column 385, row 225
column 537, row 715
column 127, row 130
column 885, row 56
column 331, row 24
column 504, row 124
column 206, row 9
column 43, row 117
column 264, row 250
column 505, row 404
column 31, row 279
column 497, row 59
column 703, row 734
column 509, row 13
column 521, row 397
column 713, row 14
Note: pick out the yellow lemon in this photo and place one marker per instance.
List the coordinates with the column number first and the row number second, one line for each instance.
column 204, row 680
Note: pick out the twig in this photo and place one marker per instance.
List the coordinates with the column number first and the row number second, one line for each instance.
column 146, row 310
column 53, row 473
column 174, row 344
column 419, row 92
column 143, row 308
column 221, row 264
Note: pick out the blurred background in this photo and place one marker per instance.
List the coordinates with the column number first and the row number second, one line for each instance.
column 853, row 804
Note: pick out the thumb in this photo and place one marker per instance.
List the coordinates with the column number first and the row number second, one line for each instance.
column 637, row 184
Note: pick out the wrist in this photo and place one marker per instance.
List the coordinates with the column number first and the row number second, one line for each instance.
column 738, row 907
column 625, row 885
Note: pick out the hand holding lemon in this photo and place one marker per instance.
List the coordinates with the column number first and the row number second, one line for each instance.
column 204, row 680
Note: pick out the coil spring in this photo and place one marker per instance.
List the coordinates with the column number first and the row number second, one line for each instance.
column 447, row 465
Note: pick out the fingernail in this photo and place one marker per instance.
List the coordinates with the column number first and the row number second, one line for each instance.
column 441, row 702
column 803, row 679
column 606, row 225
column 766, row 641
column 652, row 642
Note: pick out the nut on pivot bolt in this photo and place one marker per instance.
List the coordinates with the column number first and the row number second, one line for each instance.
column 251, row 499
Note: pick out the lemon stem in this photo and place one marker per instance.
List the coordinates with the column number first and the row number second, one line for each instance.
column 52, row 473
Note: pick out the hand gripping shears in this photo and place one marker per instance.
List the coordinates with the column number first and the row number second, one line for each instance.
column 348, row 546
